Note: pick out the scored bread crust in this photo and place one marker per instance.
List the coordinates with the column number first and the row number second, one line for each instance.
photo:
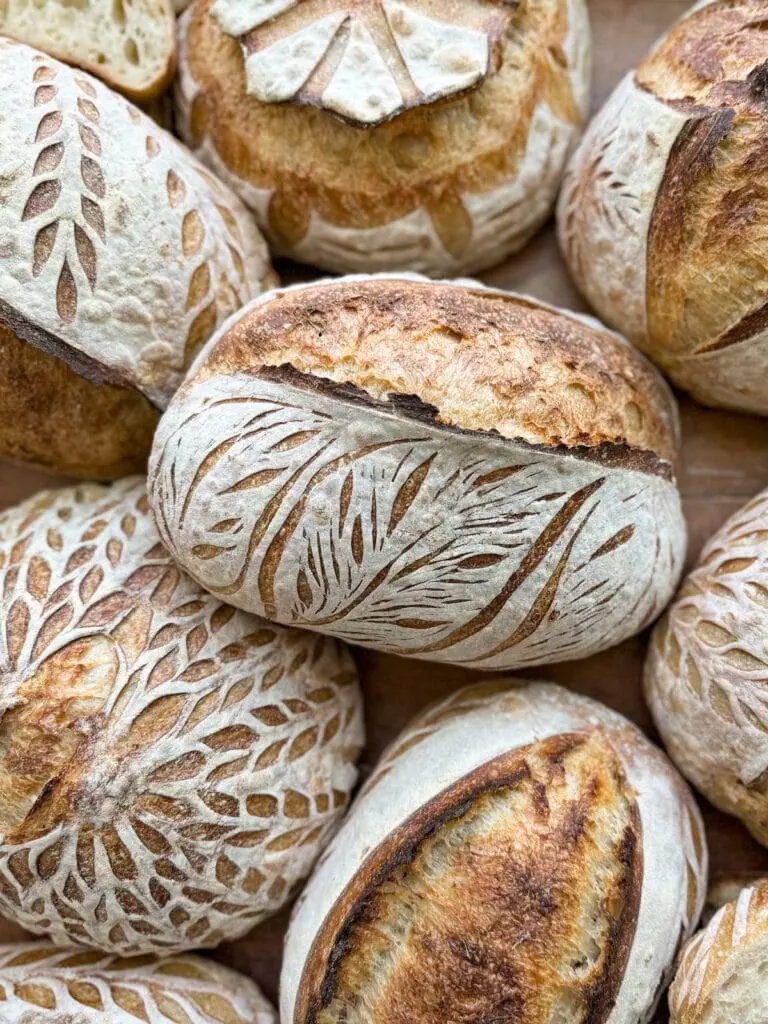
column 575, row 903
column 704, row 676
column 721, row 976
column 169, row 767
column 48, row 984
column 661, row 207
column 432, row 469
column 443, row 188
column 129, row 44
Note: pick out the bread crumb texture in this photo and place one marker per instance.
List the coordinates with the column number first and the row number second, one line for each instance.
column 722, row 974
column 487, row 361
column 45, row 984
column 129, row 43
column 169, row 767
column 706, row 670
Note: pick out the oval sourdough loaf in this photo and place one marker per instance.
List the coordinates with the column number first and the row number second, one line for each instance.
column 119, row 255
column 131, row 44
column 662, row 210
column 519, row 854
column 169, row 767
column 437, row 470
column 721, row 977
column 394, row 134
column 45, row 984
column 706, row 670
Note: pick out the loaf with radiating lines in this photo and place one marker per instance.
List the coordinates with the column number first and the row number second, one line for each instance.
column 662, row 209
column 390, row 134
column 436, row 470
column 519, row 854
column 169, row 767
column 119, row 256
column 706, row 670
column 45, row 984
column 722, row 974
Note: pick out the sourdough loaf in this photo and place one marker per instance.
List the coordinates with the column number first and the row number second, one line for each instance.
column 519, row 854
column 169, row 767
column 45, row 984
column 131, row 44
column 706, row 669
column 662, row 211
column 388, row 135
column 119, row 255
column 721, row 977
column 436, row 470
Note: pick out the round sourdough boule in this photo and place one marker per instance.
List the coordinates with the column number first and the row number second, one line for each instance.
column 519, row 854
column 388, row 135
column 169, row 766
column 662, row 211
column 45, row 984
column 721, row 977
column 436, row 470
column 706, row 670
column 119, row 256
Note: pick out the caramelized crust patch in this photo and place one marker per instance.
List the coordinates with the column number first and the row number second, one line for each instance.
column 513, row 895
column 484, row 360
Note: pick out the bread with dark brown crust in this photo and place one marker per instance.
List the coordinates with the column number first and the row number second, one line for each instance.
column 662, row 211
column 519, row 854
column 435, row 469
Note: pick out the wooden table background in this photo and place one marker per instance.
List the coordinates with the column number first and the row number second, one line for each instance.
column 724, row 463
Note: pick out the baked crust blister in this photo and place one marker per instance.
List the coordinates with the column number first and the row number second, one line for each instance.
column 435, row 470
column 661, row 210
column 392, row 152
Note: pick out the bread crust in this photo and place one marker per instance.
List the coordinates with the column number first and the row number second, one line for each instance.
column 121, row 253
column 660, row 210
column 51, row 985
column 395, row 195
column 169, row 767
column 705, row 669
column 419, row 467
column 549, row 769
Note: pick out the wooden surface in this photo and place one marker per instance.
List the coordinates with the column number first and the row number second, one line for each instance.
column 724, row 462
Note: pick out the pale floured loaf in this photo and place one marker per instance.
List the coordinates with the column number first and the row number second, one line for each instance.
column 706, row 670
column 662, row 211
column 131, row 44
column 44, row 984
column 721, row 978
column 433, row 469
column 119, row 255
column 169, row 767
column 519, row 854
column 389, row 135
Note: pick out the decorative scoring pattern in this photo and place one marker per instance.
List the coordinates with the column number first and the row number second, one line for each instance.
column 169, row 767
column 46, row 984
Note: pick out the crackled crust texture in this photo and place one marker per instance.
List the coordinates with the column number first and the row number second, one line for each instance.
column 446, row 186
column 705, row 674
column 45, row 984
column 169, row 767
column 519, row 853
column 435, row 470
column 722, row 972
column 663, row 204
column 119, row 253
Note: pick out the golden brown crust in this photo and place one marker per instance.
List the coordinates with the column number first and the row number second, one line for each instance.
column 359, row 179
column 57, row 419
column 712, row 203
column 484, row 360
column 525, row 909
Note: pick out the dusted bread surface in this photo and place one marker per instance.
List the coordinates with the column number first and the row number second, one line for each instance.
column 518, row 854
column 169, row 767
column 436, row 470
